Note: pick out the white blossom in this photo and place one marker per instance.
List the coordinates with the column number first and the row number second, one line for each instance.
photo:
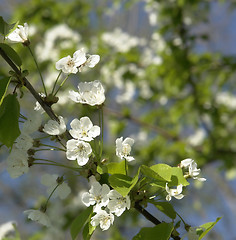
column 38, row 216
column 52, row 127
column 174, row 192
column 17, row 163
column 83, row 129
column 91, row 61
column 24, row 141
column 91, row 93
column 32, row 123
column 6, row 228
column 20, row 34
column 117, row 203
column 103, row 218
column 98, row 194
column 123, row 148
column 192, row 233
column 192, row 170
column 78, row 150
column 70, row 64
column 52, row 182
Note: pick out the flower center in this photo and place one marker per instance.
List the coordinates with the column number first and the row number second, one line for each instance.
column 71, row 63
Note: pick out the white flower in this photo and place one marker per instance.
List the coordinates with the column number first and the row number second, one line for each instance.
column 98, row 194
column 83, row 129
column 20, row 34
column 192, row 233
column 69, row 64
column 38, row 108
column 91, row 61
column 174, row 192
column 103, row 218
column 33, row 122
column 117, row 203
column 78, row 150
column 17, row 163
column 24, row 142
column 5, row 228
column 52, row 127
column 123, row 148
column 53, row 181
column 38, row 216
column 91, row 93
column 192, row 171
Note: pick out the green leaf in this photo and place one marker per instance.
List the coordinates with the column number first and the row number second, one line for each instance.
column 11, row 53
column 207, row 227
column 162, row 230
column 116, row 168
column 122, row 183
column 4, row 83
column 177, row 177
column 6, row 28
column 80, row 221
column 9, row 115
column 148, row 172
column 88, row 231
column 166, row 208
column 163, row 170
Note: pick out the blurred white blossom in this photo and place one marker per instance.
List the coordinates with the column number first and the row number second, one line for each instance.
column 38, row 216
column 52, row 127
column 91, row 93
column 6, row 228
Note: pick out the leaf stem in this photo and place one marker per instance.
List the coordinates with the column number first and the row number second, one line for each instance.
column 56, row 82
column 36, row 63
column 61, row 84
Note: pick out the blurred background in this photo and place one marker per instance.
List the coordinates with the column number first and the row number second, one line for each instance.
column 169, row 72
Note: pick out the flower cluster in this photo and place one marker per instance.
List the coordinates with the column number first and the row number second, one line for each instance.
column 17, row 161
column 106, row 202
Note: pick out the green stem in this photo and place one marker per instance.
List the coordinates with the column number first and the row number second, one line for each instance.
column 182, row 219
column 56, row 82
column 61, row 85
column 36, row 63
column 51, row 195
column 126, row 171
column 57, row 165
column 46, row 145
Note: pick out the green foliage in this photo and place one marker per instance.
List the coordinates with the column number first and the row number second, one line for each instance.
column 205, row 228
column 4, row 83
column 166, row 208
column 6, row 28
column 122, row 183
column 9, row 115
column 11, row 53
column 88, row 231
column 161, row 232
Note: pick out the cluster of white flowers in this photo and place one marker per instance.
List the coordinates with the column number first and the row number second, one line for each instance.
column 191, row 169
column 227, row 99
column 82, row 132
column 121, row 41
column 56, row 38
column 77, row 62
column 106, row 202
column 17, row 161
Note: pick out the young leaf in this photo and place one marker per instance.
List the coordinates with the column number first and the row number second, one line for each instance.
column 177, row 177
column 9, row 115
column 163, row 170
column 161, row 232
column 166, row 208
column 88, row 231
column 6, row 28
column 4, row 82
column 116, row 168
column 207, row 227
column 80, row 221
column 148, row 172
column 11, row 53
column 122, row 183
